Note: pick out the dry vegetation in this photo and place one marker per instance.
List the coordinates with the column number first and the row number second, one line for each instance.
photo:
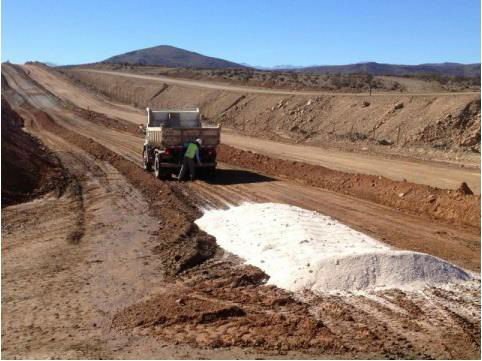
column 300, row 80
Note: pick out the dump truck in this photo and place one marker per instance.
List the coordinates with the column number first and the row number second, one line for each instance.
column 166, row 133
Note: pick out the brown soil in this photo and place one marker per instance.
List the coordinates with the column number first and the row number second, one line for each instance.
column 272, row 320
column 221, row 305
column 384, row 162
column 459, row 244
column 181, row 244
column 433, row 125
column 460, row 206
column 451, row 206
column 28, row 169
column 457, row 207
column 199, row 295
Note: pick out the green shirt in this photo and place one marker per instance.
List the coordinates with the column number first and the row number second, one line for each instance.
column 191, row 151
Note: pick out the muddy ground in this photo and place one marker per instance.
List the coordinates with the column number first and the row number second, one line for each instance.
column 137, row 279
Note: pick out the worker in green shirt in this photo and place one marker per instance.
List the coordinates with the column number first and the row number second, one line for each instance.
column 190, row 156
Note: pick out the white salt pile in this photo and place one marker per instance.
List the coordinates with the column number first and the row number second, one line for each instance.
column 301, row 249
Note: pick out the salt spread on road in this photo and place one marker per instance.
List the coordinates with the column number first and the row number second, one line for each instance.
column 301, row 249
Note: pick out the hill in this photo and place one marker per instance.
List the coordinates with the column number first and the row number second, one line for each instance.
column 172, row 57
column 443, row 69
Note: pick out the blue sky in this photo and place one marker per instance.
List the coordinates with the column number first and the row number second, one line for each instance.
column 257, row 32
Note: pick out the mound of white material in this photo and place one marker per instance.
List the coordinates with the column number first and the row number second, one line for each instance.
column 301, row 249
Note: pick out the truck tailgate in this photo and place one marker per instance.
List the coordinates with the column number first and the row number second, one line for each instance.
column 169, row 137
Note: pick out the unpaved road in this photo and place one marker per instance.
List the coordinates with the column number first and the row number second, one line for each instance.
column 113, row 264
column 436, row 174
column 431, row 173
column 390, row 225
column 245, row 89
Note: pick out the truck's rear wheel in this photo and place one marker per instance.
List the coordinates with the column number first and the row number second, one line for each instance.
column 157, row 168
column 146, row 162
column 159, row 172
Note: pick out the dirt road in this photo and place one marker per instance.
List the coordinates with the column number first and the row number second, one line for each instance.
column 401, row 230
column 115, row 264
column 245, row 89
column 437, row 174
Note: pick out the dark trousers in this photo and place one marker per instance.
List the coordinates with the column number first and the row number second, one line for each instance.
column 187, row 164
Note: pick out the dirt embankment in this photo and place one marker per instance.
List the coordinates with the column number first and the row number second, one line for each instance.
column 460, row 206
column 417, row 124
column 28, row 169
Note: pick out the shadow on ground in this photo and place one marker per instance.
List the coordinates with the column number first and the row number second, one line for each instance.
column 234, row 176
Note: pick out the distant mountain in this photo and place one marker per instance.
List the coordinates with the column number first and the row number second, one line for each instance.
column 447, row 69
column 171, row 56
column 275, row 67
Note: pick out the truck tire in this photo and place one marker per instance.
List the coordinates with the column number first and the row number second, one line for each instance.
column 146, row 163
column 157, row 168
column 159, row 172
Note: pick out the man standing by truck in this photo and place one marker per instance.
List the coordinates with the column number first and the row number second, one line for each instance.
column 188, row 162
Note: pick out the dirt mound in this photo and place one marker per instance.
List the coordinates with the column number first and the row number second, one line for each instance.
column 190, row 249
column 465, row 189
column 186, row 316
column 446, row 205
column 28, row 170
column 176, row 308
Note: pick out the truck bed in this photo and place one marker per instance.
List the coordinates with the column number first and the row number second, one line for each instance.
column 170, row 137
